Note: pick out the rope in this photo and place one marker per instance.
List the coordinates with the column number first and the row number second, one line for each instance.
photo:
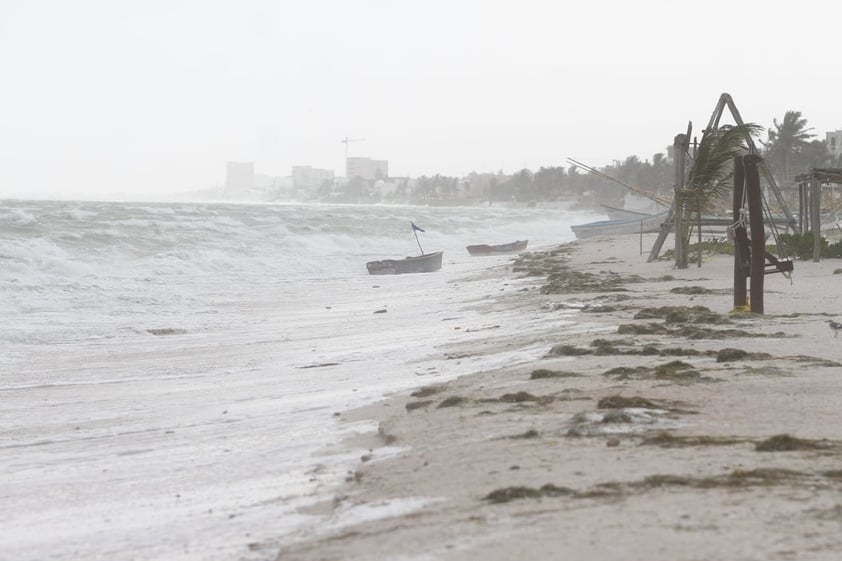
column 742, row 219
column 767, row 212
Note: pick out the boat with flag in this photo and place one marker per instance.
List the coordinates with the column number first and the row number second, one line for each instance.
column 424, row 263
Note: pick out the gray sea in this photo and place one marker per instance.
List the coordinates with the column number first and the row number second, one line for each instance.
column 170, row 373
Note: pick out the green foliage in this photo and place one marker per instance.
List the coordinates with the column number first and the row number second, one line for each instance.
column 709, row 247
column 710, row 175
column 801, row 246
column 788, row 143
column 714, row 162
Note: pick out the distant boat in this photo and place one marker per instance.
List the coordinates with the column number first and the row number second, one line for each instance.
column 633, row 225
column 510, row 247
column 426, row 263
column 615, row 213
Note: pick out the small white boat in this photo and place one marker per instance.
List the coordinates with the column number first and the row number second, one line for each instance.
column 633, row 225
column 426, row 263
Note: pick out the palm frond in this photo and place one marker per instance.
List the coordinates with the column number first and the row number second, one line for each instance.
column 713, row 167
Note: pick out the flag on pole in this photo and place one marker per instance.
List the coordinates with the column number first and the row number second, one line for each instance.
column 414, row 227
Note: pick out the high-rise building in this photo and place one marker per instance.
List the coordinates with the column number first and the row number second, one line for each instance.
column 309, row 178
column 366, row 168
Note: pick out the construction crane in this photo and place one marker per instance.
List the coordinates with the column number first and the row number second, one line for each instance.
column 345, row 141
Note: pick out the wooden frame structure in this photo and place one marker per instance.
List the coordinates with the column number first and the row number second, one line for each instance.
column 681, row 146
column 750, row 256
column 810, row 200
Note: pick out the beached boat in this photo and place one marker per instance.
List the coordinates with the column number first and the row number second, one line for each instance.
column 511, row 247
column 615, row 213
column 426, row 263
column 632, row 225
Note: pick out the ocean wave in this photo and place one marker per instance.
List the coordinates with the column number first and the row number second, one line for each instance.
column 60, row 242
column 17, row 216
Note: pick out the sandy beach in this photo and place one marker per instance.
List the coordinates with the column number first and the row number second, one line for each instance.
column 660, row 426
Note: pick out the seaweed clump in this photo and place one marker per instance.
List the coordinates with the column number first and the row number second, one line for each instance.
column 645, row 329
column 682, row 314
column 520, row 397
column 600, row 309
column 543, row 373
column 691, row 290
column 731, row 355
column 567, row 281
column 413, row 405
column 760, row 477
column 452, row 401
column 665, row 439
column 737, row 478
column 787, row 443
column 620, row 402
column 427, row 391
column 531, row 433
column 568, row 350
column 676, row 370
column 507, row 494
column 627, row 372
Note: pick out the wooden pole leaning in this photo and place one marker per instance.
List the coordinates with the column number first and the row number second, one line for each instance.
column 679, row 151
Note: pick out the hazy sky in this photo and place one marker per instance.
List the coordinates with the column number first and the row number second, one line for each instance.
column 114, row 97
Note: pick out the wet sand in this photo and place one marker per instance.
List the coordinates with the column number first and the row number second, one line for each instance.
column 659, row 427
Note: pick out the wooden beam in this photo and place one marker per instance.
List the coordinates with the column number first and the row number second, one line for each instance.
column 758, row 235
column 666, row 226
column 740, row 237
column 680, row 145
column 816, row 217
column 726, row 100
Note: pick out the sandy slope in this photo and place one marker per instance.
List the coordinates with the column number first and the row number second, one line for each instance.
column 577, row 478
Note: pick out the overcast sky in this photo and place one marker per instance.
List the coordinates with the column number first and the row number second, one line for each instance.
column 113, row 98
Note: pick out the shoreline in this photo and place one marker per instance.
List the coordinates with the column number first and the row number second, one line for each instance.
column 645, row 432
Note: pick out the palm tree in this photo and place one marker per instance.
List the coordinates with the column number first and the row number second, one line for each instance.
column 815, row 154
column 711, row 174
column 786, row 141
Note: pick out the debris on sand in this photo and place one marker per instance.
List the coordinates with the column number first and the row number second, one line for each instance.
column 787, row 443
column 665, row 439
column 413, row 405
column 543, row 373
column 452, row 401
column 731, row 355
column 620, row 402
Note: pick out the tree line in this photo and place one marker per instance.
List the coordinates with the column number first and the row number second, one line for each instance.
column 790, row 148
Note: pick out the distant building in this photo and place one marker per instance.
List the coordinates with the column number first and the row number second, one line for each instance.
column 239, row 176
column 834, row 145
column 385, row 189
column 307, row 178
column 366, row 168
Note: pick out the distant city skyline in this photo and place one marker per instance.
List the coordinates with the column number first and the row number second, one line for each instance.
column 115, row 98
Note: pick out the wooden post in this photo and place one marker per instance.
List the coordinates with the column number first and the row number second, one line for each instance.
column 758, row 234
column 662, row 235
column 679, row 153
column 815, row 218
column 802, row 207
column 740, row 238
column 700, row 236
column 641, row 237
